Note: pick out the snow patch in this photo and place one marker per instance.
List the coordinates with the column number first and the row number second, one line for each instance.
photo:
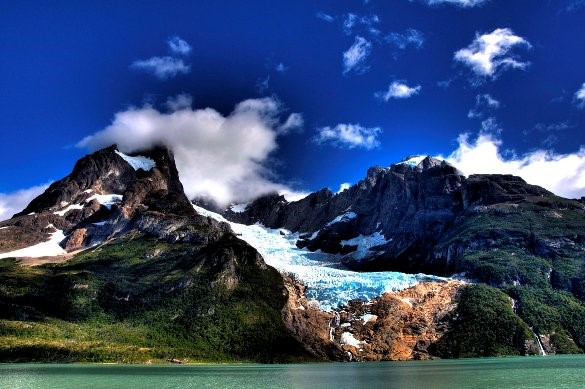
column 345, row 325
column 88, row 191
column 106, row 200
column 365, row 243
column 99, row 224
column 69, row 208
column 2, row 228
column 413, row 161
column 239, row 208
column 369, row 317
column 49, row 248
column 342, row 218
column 138, row 162
column 326, row 283
column 348, row 339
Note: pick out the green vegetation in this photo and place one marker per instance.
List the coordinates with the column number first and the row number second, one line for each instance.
column 555, row 312
column 532, row 252
column 484, row 325
column 139, row 300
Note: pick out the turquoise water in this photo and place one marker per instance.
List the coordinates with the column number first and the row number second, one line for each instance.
column 510, row 373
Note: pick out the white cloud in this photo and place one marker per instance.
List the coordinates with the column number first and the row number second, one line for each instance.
column 398, row 90
column 352, row 20
column 460, row 3
column 483, row 104
column 162, row 67
column 294, row 122
column 490, row 126
column 181, row 101
column 325, row 17
column 349, row 136
column 348, row 22
column 354, row 58
column 490, row 53
column 410, row 37
column 178, row 46
column 343, row 186
column 580, row 97
column 11, row 203
column 562, row 174
column 221, row 157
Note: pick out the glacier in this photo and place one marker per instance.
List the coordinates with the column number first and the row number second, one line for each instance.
column 327, row 282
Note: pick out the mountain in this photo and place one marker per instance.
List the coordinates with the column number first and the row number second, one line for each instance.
column 154, row 280
column 116, row 264
column 422, row 215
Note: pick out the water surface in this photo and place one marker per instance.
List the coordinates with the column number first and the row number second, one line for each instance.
column 518, row 372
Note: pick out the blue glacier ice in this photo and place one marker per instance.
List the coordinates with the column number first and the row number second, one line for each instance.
column 326, row 280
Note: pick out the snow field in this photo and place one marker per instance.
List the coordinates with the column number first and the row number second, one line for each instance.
column 327, row 282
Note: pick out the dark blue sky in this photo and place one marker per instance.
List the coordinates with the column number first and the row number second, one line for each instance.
column 66, row 70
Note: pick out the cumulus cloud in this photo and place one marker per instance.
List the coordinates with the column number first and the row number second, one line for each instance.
column 180, row 101
column 562, row 174
column 491, row 53
column 11, row 203
column 179, row 46
column 410, row 37
column 349, row 136
column 483, row 104
column 219, row 157
column 580, row 97
column 459, row 3
column 354, row 58
column 162, row 67
column 398, row 90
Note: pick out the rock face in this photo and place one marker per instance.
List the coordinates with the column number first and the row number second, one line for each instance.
column 413, row 207
column 395, row 326
column 108, row 194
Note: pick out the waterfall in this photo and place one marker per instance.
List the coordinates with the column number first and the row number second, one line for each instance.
column 540, row 346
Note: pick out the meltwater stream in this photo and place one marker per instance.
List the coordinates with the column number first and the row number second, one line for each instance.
column 326, row 281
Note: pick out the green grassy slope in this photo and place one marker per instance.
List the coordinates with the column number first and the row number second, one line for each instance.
column 531, row 251
column 139, row 300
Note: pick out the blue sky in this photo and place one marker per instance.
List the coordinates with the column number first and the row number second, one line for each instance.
column 361, row 83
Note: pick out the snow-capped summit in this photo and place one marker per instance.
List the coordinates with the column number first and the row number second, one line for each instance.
column 106, row 194
column 412, row 160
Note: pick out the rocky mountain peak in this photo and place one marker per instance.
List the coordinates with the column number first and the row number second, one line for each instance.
column 109, row 193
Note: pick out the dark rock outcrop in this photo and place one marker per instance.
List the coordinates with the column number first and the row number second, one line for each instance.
column 419, row 209
column 151, row 201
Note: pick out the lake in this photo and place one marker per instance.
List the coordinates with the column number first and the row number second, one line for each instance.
column 516, row 372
